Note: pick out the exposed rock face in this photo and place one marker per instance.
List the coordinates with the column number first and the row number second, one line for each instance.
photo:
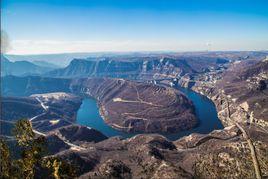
column 125, row 105
column 240, row 93
column 138, row 67
column 222, row 153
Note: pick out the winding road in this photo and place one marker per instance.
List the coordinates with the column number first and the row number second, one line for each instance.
column 46, row 108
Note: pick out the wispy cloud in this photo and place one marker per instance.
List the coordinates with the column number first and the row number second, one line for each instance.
column 57, row 46
column 54, row 46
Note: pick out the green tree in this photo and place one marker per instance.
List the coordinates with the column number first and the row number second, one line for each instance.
column 23, row 132
column 4, row 160
column 59, row 168
column 32, row 148
column 32, row 160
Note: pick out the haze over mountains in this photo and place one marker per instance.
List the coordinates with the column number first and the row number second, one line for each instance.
column 60, row 60
column 22, row 68
column 111, row 62
column 64, row 59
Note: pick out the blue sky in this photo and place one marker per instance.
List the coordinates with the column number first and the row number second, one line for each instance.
column 56, row 26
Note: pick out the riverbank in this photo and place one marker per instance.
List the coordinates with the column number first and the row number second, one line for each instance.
column 205, row 110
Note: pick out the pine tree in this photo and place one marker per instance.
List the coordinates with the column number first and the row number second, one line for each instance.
column 4, row 160
column 32, row 158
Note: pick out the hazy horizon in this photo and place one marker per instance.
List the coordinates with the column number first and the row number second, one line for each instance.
column 133, row 52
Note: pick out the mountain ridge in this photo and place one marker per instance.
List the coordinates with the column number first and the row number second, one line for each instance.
column 21, row 68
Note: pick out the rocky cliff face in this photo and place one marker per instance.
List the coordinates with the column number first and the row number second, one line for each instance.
column 137, row 68
column 240, row 92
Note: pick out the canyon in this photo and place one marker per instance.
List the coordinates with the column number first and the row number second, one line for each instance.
column 235, row 81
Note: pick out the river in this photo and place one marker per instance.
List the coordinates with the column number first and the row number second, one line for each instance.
column 88, row 115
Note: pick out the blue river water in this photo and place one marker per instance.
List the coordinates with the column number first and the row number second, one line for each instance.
column 88, row 115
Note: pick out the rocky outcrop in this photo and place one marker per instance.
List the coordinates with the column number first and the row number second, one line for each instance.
column 222, row 153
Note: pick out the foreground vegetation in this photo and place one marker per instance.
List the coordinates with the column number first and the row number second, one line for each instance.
column 31, row 162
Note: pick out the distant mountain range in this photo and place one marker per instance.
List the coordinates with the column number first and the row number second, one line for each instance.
column 23, row 68
column 63, row 59
column 137, row 68
column 140, row 65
